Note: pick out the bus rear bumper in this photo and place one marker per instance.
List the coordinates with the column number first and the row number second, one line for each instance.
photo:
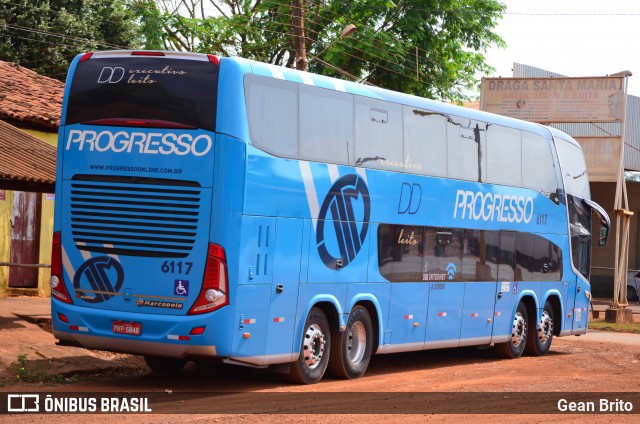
column 157, row 335
column 135, row 347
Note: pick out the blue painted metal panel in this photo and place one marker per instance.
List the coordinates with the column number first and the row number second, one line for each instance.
column 478, row 311
column 251, row 329
column 408, row 305
column 286, row 280
column 508, row 295
column 164, row 273
column 580, row 315
column 444, row 317
column 257, row 247
column 121, row 151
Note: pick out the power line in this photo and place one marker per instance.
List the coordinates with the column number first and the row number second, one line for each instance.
column 64, row 36
column 569, row 14
column 398, row 59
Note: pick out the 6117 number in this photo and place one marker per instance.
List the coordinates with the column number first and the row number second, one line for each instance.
column 176, row 267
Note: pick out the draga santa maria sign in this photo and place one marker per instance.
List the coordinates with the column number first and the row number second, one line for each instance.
column 597, row 99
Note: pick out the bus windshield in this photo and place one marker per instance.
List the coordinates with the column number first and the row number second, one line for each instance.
column 144, row 91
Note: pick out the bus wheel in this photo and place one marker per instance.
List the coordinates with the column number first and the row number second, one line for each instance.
column 540, row 340
column 164, row 365
column 315, row 350
column 515, row 346
column 351, row 349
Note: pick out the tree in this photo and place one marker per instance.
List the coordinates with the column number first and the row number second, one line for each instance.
column 432, row 48
column 45, row 35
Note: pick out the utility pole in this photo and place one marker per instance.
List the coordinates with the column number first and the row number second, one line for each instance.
column 618, row 311
column 300, row 47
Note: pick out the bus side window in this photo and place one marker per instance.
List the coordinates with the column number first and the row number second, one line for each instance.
column 525, row 257
column 326, row 125
column 379, row 135
column 538, row 169
column 442, row 247
column 466, row 143
column 272, row 109
column 503, row 146
column 425, row 141
column 400, row 251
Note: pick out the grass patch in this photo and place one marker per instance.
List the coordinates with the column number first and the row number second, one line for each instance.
column 23, row 370
column 633, row 327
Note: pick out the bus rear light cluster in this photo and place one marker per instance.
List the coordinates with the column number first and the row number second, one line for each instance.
column 58, row 289
column 147, row 53
column 195, row 331
column 86, row 56
column 214, row 293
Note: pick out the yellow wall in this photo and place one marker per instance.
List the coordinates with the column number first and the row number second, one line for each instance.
column 6, row 207
column 46, row 229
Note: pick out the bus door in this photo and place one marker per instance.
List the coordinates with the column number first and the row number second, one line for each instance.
column 577, row 300
column 506, row 292
column 580, row 214
column 484, row 297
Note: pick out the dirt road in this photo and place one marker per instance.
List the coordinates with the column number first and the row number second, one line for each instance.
column 458, row 385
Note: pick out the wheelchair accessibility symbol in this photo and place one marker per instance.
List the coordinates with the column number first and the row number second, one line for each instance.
column 181, row 287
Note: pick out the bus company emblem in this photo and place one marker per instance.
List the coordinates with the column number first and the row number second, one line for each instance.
column 111, row 75
column 347, row 207
column 104, row 277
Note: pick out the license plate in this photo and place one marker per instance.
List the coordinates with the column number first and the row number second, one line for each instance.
column 131, row 328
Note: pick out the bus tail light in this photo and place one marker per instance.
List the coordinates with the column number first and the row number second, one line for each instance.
column 58, row 290
column 86, row 56
column 147, row 53
column 215, row 285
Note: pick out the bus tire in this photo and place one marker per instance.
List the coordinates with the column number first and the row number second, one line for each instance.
column 315, row 350
column 540, row 338
column 351, row 349
column 515, row 346
column 163, row 365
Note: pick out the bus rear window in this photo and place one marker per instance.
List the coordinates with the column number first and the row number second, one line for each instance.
column 150, row 89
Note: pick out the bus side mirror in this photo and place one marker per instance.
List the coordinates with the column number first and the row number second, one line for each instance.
column 605, row 222
column 604, row 236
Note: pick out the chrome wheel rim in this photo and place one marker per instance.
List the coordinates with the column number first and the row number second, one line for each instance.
column 313, row 346
column 519, row 332
column 545, row 328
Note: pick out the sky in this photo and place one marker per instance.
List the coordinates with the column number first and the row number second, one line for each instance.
column 576, row 38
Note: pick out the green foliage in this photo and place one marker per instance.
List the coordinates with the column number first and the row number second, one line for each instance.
column 24, row 372
column 44, row 35
column 431, row 48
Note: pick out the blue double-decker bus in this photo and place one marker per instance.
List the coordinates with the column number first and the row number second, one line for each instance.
column 221, row 208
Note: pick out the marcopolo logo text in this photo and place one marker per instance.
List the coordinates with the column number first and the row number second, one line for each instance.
column 139, row 142
column 479, row 206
